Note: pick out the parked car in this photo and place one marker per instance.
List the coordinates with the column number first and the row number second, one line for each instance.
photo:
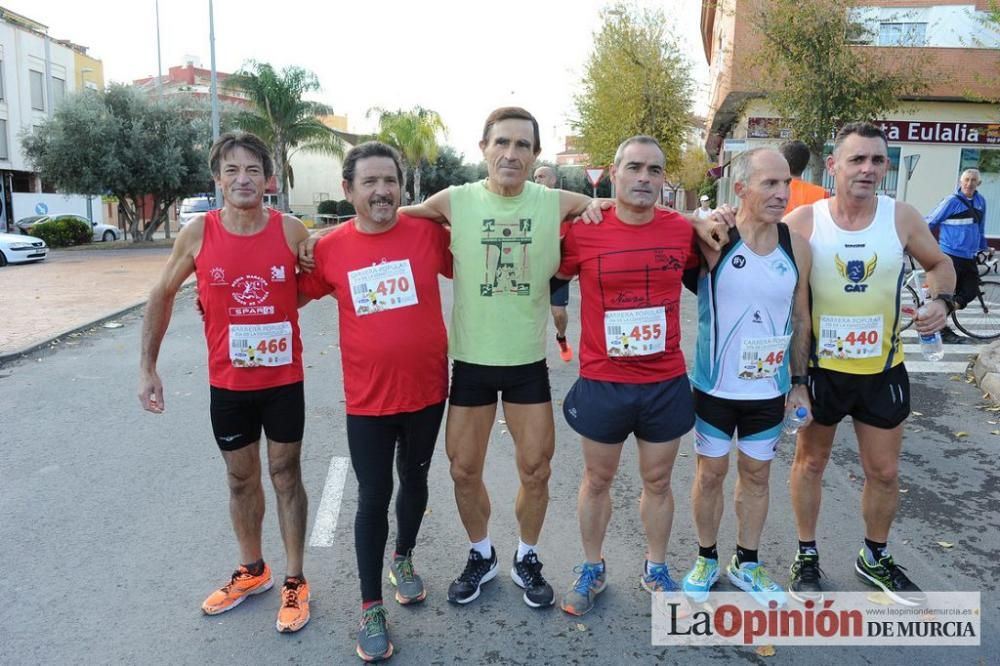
column 16, row 249
column 193, row 206
column 102, row 232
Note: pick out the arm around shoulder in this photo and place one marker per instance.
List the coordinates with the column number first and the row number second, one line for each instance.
column 436, row 207
column 572, row 204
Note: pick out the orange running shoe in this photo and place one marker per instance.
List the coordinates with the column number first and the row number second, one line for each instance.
column 565, row 351
column 294, row 611
column 240, row 586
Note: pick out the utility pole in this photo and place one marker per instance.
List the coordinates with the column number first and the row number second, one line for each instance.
column 214, row 92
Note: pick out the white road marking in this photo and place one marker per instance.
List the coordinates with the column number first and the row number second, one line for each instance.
column 325, row 525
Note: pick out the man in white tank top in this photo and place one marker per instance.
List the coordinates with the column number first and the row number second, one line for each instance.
column 857, row 240
column 753, row 345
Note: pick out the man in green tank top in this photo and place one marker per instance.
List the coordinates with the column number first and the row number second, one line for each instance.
column 505, row 243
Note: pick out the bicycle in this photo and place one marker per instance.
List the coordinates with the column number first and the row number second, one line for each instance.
column 986, row 262
column 980, row 319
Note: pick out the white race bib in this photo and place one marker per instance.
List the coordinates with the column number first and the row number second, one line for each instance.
column 637, row 332
column 382, row 287
column 760, row 358
column 850, row 337
column 253, row 345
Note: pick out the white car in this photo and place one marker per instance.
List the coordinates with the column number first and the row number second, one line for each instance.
column 102, row 232
column 194, row 206
column 17, row 249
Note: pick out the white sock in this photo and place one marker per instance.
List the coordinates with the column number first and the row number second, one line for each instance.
column 483, row 547
column 523, row 549
column 650, row 565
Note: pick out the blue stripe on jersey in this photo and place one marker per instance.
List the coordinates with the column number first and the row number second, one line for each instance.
column 709, row 430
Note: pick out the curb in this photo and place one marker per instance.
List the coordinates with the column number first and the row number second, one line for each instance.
column 987, row 371
column 8, row 357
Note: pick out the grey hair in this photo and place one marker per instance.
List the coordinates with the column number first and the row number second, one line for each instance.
column 639, row 138
column 974, row 172
column 741, row 169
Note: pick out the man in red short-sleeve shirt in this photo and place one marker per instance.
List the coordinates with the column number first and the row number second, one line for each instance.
column 632, row 373
column 383, row 268
column 244, row 256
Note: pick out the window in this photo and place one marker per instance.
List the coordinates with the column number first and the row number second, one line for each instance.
column 4, row 155
column 2, row 97
column 37, row 90
column 58, row 91
column 902, row 34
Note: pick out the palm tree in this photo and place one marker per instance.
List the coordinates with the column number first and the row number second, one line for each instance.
column 282, row 119
column 414, row 134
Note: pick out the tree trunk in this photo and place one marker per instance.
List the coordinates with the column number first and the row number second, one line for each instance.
column 416, row 184
column 817, row 163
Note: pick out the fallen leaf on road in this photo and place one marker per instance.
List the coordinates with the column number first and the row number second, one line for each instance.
column 961, row 433
column 765, row 651
column 581, row 626
column 427, row 512
column 992, row 422
column 916, row 413
column 956, row 378
column 995, row 432
column 682, row 454
column 113, row 324
column 904, row 490
column 995, row 408
column 906, row 541
column 501, row 421
column 879, row 598
column 852, row 477
column 945, row 544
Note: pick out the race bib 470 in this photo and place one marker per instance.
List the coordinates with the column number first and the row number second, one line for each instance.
column 382, row 287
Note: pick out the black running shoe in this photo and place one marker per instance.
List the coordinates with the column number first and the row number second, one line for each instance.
column 527, row 574
column 889, row 577
column 803, row 584
column 478, row 570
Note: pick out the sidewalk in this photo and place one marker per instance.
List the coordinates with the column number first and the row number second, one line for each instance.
column 70, row 290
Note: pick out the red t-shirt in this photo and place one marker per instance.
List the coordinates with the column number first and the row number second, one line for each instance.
column 630, row 286
column 393, row 342
column 247, row 289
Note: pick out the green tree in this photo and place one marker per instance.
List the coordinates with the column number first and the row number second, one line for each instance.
column 637, row 82
column 146, row 152
column 414, row 134
column 691, row 173
column 447, row 169
column 282, row 118
column 818, row 78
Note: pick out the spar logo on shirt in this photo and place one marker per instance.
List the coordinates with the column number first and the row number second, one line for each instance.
column 856, row 271
column 251, row 292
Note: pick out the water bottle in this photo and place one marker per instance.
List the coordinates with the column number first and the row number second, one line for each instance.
column 795, row 420
column 930, row 344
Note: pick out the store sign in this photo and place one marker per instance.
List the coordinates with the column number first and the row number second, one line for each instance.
column 899, row 131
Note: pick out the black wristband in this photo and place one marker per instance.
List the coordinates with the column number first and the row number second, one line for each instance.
column 800, row 380
column 948, row 300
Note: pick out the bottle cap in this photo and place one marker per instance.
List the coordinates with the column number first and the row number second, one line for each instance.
column 801, row 412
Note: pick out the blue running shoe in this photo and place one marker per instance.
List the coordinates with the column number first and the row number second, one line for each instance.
column 753, row 578
column 658, row 579
column 701, row 579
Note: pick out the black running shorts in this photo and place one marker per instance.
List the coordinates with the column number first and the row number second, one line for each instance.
column 881, row 400
column 237, row 416
column 475, row 385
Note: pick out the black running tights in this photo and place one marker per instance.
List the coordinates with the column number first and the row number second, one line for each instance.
column 374, row 442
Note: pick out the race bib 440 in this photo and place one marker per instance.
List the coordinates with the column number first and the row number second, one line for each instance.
column 850, row 337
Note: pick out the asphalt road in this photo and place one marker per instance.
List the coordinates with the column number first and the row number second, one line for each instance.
column 114, row 524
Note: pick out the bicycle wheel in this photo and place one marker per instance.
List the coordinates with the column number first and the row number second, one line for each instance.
column 909, row 302
column 981, row 318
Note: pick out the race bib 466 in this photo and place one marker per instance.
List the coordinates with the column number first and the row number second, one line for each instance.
column 253, row 345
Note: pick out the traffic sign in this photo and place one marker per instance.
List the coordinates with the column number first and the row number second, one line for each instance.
column 594, row 175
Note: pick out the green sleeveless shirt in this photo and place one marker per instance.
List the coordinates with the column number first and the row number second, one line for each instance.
column 506, row 249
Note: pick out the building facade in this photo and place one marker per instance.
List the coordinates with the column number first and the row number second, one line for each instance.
column 948, row 129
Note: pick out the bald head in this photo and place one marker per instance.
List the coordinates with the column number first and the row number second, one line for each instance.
column 546, row 176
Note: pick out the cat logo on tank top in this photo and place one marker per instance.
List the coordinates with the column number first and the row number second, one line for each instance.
column 856, row 271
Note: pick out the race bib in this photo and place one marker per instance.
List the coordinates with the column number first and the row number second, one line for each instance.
column 637, row 332
column 382, row 287
column 760, row 358
column 850, row 337
column 255, row 345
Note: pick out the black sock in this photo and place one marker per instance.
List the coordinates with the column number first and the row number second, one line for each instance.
column 808, row 548
column 876, row 550
column 255, row 568
column 299, row 579
column 560, row 338
column 708, row 552
column 744, row 555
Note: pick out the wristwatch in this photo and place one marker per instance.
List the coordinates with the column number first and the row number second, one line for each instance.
column 948, row 300
column 800, row 380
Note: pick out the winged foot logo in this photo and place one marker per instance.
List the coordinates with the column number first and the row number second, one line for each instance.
column 856, row 271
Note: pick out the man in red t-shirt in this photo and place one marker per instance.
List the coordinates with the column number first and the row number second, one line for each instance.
column 632, row 373
column 244, row 257
column 383, row 268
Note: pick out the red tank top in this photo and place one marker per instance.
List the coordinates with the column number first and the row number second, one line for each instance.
column 247, row 288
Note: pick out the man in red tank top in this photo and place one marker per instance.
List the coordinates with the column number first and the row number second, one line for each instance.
column 244, row 257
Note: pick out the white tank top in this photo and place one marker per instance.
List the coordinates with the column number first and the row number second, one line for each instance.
column 855, row 283
column 745, row 321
